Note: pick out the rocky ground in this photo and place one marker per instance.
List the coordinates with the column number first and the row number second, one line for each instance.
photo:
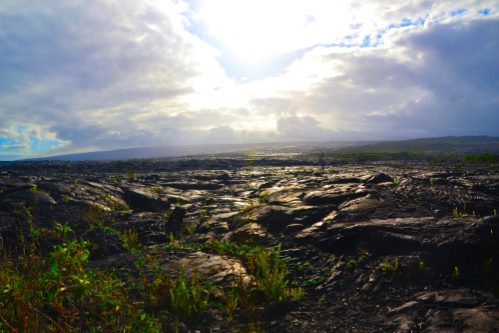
column 435, row 217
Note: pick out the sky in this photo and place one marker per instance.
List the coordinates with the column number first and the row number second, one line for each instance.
column 93, row 75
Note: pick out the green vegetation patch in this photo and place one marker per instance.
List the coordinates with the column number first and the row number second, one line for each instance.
column 486, row 158
column 381, row 154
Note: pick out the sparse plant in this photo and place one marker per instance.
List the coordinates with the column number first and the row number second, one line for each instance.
column 455, row 275
column 486, row 265
column 423, row 267
column 262, row 198
column 457, row 213
column 158, row 191
column 131, row 175
column 191, row 228
column 66, row 291
column 231, row 300
column 363, row 254
column 188, row 299
column 432, row 180
column 270, row 273
column 130, row 239
column 394, row 270
column 296, row 293
column 115, row 178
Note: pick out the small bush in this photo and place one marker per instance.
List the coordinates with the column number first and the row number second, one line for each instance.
column 130, row 239
column 296, row 293
column 188, row 299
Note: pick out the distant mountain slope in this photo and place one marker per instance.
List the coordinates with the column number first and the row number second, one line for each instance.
column 436, row 146
column 174, row 151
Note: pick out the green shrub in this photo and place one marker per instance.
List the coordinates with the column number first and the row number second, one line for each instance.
column 394, row 270
column 262, row 198
column 77, row 298
column 486, row 158
column 191, row 228
column 188, row 299
column 130, row 240
column 131, row 175
column 296, row 293
column 270, row 273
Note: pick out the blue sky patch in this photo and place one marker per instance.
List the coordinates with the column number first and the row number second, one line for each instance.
column 457, row 12
column 11, row 150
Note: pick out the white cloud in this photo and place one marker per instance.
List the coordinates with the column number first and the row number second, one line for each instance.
column 15, row 147
column 101, row 74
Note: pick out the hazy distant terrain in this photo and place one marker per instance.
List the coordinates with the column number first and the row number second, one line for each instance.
column 159, row 152
column 444, row 146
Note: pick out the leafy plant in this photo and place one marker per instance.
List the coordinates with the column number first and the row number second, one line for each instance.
column 455, row 275
column 486, row 265
column 231, row 300
column 191, row 228
column 270, row 273
column 432, row 180
column 131, row 175
column 394, row 270
column 130, row 239
column 363, row 254
column 394, row 180
column 77, row 299
column 296, row 293
column 188, row 299
column 423, row 267
column 457, row 213
column 157, row 190
column 262, row 198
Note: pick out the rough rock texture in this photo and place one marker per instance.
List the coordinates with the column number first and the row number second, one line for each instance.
column 325, row 220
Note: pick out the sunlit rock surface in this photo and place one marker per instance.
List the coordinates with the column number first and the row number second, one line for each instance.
column 342, row 229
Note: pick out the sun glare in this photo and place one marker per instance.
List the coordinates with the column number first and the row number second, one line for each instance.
column 256, row 28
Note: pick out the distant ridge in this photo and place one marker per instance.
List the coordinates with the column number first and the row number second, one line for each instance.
column 439, row 145
column 442, row 145
column 177, row 151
